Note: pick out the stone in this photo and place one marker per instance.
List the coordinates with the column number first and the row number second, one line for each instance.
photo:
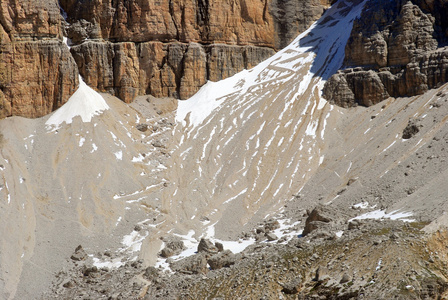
column 223, row 259
column 319, row 215
column 151, row 273
column 142, row 127
column 166, row 252
column 69, row 284
column 158, row 144
column 220, row 246
column 292, row 287
column 173, row 246
column 271, row 225
column 322, row 274
column 79, row 254
column 205, row 245
column 195, row 264
column 412, row 128
column 355, row 224
column 271, row 237
column 345, row 278
column 91, row 272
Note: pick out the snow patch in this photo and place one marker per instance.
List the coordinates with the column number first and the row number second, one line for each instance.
column 85, row 103
column 381, row 214
column 94, row 148
column 119, row 155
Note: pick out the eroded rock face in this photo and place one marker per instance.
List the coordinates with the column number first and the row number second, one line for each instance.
column 161, row 69
column 269, row 23
column 394, row 50
column 171, row 48
column 163, row 48
column 37, row 72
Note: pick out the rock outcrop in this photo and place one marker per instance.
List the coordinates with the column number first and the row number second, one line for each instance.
column 37, row 72
column 175, row 69
column 168, row 49
column 130, row 48
column 394, row 50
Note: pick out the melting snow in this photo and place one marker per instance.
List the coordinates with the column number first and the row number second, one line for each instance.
column 381, row 214
column 361, row 205
column 119, row 155
column 133, row 241
column 85, row 103
column 299, row 55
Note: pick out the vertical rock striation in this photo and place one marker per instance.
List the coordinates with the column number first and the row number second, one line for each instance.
column 128, row 48
column 37, row 72
column 171, row 48
column 396, row 49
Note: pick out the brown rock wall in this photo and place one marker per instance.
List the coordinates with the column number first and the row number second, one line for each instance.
column 30, row 19
column 161, row 69
column 357, row 86
column 399, row 47
column 132, row 47
column 227, row 21
column 37, row 72
column 180, row 44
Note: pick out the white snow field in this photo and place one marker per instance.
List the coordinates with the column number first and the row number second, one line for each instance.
column 85, row 103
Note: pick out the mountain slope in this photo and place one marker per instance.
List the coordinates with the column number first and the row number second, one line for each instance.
column 261, row 147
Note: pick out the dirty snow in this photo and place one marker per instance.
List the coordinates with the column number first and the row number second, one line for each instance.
column 381, row 214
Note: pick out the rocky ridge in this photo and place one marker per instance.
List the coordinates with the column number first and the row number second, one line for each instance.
column 135, row 48
column 171, row 49
column 396, row 49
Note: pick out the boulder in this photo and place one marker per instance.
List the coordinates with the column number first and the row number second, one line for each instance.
column 292, row 287
column 195, row 264
column 151, row 273
column 318, row 216
column 79, row 254
column 271, row 237
column 205, row 245
column 322, row 274
column 411, row 129
column 173, row 246
column 223, row 260
column 345, row 278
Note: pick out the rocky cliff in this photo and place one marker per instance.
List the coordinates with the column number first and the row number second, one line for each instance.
column 130, row 48
column 37, row 72
column 396, row 49
column 167, row 48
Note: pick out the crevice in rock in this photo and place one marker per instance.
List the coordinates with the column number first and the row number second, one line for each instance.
column 171, row 9
column 203, row 18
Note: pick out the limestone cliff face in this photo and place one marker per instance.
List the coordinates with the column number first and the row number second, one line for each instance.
column 171, row 48
column 37, row 72
column 129, row 48
column 396, row 49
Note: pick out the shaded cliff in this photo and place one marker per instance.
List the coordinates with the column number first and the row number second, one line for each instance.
column 396, row 49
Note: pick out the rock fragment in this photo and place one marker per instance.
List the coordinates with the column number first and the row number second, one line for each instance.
column 79, row 254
